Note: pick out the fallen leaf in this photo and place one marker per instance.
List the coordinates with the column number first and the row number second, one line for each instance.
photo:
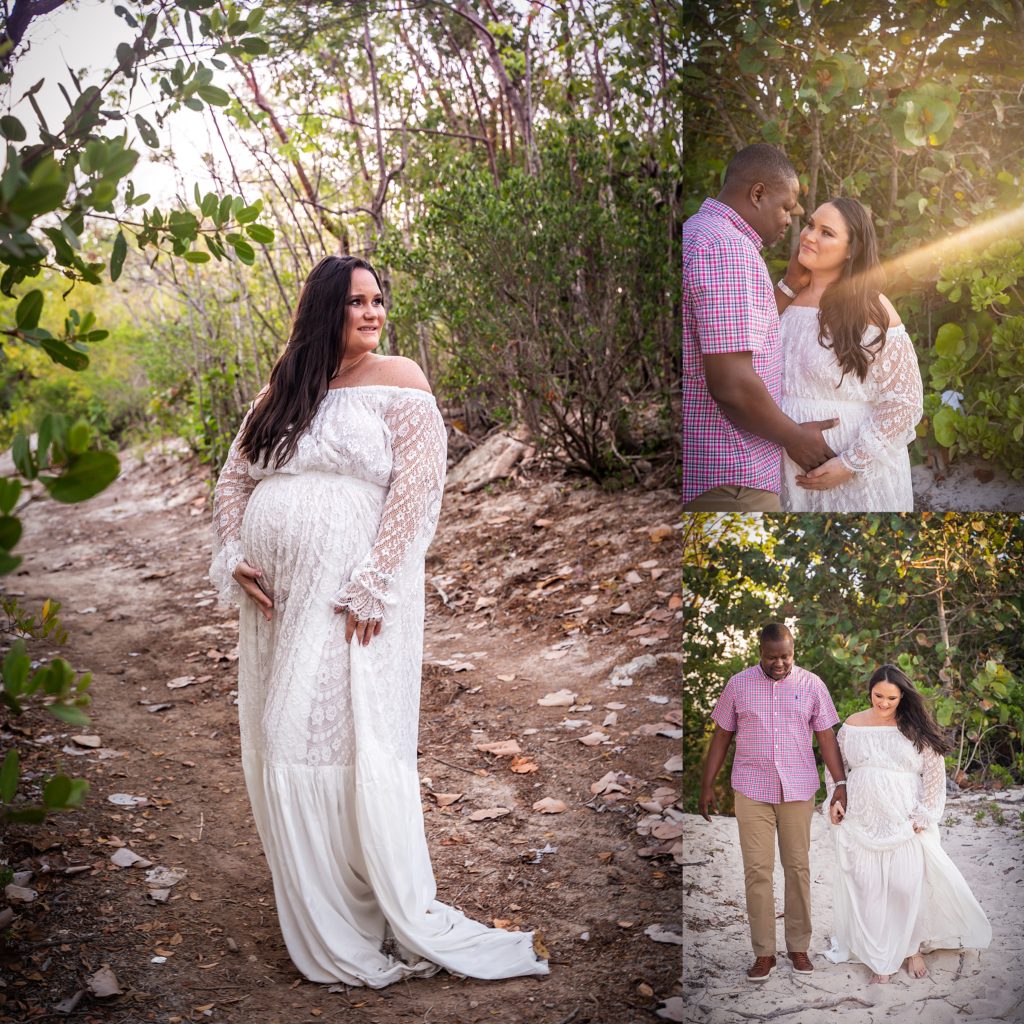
column 622, row 609
column 612, row 718
column 127, row 800
column 670, row 830
column 489, row 812
column 645, row 990
column 594, row 738
column 162, row 877
column 675, row 602
column 104, row 983
column 501, row 922
column 542, row 523
column 125, row 858
column 662, row 934
column 615, row 705
column 674, row 763
column 158, row 707
column 177, row 684
column 590, row 599
column 446, row 799
column 672, row 1010
column 550, row 806
column 19, row 894
column 507, row 678
column 633, row 577
column 625, row 924
column 501, row 748
column 558, row 699
column 484, row 602
column 523, row 766
column 659, row 533
column 87, row 741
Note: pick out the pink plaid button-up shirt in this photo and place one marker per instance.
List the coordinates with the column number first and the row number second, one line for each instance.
column 773, row 722
column 728, row 306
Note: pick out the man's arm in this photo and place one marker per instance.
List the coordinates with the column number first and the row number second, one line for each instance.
column 743, row 397
column 830, row 754
column 716, row 758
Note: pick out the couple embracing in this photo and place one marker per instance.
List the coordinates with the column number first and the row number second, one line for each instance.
column 896, row 894
column 803, row 396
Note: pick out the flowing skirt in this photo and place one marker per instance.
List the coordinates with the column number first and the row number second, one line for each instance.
column 328, row 733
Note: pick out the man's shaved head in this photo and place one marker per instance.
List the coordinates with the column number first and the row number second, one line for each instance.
column 759, row 162
column 774, row 632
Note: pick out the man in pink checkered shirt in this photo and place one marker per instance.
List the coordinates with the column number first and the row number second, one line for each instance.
column 772, row 709
column 734, row 432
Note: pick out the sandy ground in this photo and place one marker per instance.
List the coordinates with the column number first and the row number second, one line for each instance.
column 970, row 985
column 533, row 586
column 969, row 485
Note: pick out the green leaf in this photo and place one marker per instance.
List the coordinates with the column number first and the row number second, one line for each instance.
column 247, row 214
column 214, row 95
column 10, row 491
column 255, row 45
column 56, row 791
column 79, row 788
column 11, row 128
column 26, row 815
column 9, row 772
column 29, row 310
column 45, row 192
column 244, row 251
column 944, row 425
column 117, row 254
column 79, row 437
column 197, row 257
column 68, row 713
column 260, row 233
column 949, row 341
column 10, row 531
column 87, row 475
column 16, row 667
column 21, row 453
column 147, row 132
column 62, row 353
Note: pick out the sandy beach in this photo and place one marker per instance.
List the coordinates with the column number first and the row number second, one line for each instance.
column 963, row 985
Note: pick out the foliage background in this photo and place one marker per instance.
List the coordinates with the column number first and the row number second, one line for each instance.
column 916, row 110
column 942, row 595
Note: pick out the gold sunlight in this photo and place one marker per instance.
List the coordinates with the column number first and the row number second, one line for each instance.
column 974, row 238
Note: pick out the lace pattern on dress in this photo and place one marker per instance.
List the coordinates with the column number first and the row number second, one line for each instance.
column 419, row 444
column 896, row 379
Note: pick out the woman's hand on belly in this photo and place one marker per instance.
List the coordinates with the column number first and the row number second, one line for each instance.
column 364, row 630
column 828, row 475
column 248, row 578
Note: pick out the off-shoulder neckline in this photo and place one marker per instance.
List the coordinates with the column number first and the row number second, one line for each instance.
column 381, row 387
column 816, row 309
column 846, row 725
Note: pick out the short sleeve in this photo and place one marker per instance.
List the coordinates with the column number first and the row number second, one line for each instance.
column 725, row 282
column 724, row 714
column 824, row 716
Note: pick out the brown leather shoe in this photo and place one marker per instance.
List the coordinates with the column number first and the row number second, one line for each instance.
column 763, row 967
column 801, row 963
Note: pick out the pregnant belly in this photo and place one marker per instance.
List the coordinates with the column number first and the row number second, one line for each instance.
column 308, row 531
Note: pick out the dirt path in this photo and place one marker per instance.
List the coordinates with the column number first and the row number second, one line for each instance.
column 515, row 611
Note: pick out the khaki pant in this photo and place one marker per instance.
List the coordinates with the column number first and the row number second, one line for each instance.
column 759, row 824
column 734, row 499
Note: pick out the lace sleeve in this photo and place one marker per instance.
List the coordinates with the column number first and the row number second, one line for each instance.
column 230, row 496
column 896, row 379
column 929, row 808
column 419, row 444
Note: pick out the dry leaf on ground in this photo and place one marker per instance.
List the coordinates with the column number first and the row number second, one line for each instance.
column 489, row 812
column 559, row 699
column 104, row 983
column 550, row 806
column 674, row 763
column 523, row 765
column 594, row 738
column 446, row 799
column 87, row 741
column 501, row 748
column 662, row 934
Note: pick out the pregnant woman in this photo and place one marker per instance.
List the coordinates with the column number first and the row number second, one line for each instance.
column 322, row 514
column 896, row 893
column 846, row 355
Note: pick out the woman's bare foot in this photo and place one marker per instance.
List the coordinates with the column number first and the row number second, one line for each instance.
column 915, row 966
column 880, row 979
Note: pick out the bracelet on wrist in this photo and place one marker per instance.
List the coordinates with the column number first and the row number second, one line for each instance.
column 841, row 782
column 785, row 289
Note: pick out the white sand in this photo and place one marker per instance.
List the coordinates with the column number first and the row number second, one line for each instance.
column 982, row 987
column 958, row 489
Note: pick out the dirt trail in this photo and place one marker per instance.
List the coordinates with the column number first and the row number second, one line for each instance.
column 510, row 618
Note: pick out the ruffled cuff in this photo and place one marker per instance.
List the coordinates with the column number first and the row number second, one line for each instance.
column 366, row 595
column 848, row 464
column 225, row 557
column 921, row 817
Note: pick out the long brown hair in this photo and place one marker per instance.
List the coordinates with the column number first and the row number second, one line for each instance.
column 300, row 377
column 912, row 717
column 851, row 304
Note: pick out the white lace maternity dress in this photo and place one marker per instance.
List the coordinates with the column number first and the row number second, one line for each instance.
column 895, row 890
column 329, row 729
column 877, row 416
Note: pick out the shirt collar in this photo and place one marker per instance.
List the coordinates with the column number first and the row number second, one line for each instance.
column 713, row 208
column 785, row 679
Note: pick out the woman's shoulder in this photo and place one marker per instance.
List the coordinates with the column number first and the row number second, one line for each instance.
column 894, row 317
column 396, row 372
column 857, row 718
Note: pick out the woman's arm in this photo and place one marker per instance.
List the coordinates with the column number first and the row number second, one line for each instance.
column 419, row 450
column 928, row 810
